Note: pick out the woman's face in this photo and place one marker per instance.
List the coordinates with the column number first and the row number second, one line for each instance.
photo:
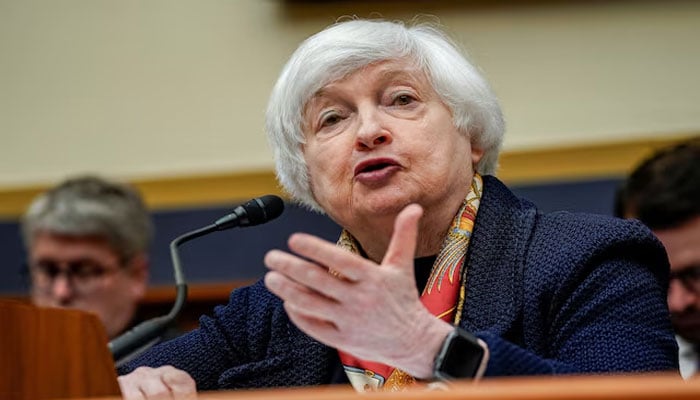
column 381, row 139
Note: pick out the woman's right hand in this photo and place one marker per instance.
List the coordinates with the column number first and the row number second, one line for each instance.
column 165, row 382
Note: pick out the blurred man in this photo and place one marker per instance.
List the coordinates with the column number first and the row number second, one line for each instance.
column 664, row 193
column 87, row 242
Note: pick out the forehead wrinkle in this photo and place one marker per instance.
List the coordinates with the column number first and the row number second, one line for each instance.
column 410, row 73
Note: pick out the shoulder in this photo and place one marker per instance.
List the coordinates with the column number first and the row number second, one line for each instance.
column 578, row 243
column 587, row 232
column 564, row 242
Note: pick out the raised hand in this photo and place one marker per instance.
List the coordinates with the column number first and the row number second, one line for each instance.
column 353, row 304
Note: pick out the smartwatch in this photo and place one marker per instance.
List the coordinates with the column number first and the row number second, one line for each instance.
column 462, row 355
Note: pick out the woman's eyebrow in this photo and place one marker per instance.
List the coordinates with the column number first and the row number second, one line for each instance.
column 319, row 100
column 399, row 75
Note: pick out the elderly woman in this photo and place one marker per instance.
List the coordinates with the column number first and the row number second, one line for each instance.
column 440, row 271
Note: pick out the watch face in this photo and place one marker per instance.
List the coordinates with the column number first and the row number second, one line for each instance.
column 461, row 356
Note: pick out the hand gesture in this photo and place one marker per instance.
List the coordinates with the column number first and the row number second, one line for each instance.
column 370, row 311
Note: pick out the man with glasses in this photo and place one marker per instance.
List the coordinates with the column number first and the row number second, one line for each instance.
column 664, row 193
column 87, row 242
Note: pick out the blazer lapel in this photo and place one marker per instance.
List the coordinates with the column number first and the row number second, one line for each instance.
column 495, row 260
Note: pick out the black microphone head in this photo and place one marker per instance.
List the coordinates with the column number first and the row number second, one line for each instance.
column 263, row 209
column 253, row 212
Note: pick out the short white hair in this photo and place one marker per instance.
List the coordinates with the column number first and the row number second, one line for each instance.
column 345, row 47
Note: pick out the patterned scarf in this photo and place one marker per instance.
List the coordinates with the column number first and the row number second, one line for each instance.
column 443, row 296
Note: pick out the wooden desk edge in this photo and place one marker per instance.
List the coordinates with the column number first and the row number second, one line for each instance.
column 590, row 387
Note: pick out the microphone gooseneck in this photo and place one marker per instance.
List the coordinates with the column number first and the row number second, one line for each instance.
column 254, row 212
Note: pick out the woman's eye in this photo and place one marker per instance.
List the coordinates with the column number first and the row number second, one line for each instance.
column 330, row 119
column 403, row 99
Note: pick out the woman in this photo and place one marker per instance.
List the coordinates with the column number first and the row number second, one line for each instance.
column 440, row 272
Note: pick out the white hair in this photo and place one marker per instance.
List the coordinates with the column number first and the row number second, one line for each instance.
column 347, row 46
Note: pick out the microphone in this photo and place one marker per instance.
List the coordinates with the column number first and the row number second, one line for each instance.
column 253, row 212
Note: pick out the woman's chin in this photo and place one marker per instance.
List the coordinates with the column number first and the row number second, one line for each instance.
column 381, row 206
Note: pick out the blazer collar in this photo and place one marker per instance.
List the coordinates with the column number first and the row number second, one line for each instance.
column 495, row 259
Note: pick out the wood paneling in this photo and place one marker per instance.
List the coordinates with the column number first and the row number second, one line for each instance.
column 50, row 353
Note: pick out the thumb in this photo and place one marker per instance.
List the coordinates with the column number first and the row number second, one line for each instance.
column 402, row 247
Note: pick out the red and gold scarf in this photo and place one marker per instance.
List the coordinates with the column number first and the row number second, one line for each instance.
column 443, row 296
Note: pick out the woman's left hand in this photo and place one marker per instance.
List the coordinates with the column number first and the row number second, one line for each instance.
column 355, row 305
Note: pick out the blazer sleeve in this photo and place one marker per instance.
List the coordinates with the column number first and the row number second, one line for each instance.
column 208, row 351
column 602, row 310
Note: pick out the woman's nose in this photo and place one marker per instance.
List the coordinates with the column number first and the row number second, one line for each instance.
column 372, row 131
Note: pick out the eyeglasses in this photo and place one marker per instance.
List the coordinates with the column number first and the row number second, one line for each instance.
column 689, row 277
column 84, row 275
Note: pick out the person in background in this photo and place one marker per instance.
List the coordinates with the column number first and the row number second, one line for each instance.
column 87, row 241
column 440, row 271
column 663, row 192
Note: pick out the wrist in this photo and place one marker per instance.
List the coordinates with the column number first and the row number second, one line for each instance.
column 418, row 356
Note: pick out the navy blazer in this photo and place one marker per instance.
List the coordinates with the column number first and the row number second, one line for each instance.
column 549, row 293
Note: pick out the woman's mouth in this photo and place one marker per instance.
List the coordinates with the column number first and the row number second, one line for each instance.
column 376, row 171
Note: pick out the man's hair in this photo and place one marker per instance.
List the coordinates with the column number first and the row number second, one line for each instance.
column 346, row 47
column 91, row 206
column 664, row 190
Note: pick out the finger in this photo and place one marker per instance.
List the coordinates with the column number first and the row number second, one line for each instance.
column 351, row 266
column 307, row 274
column 150, row 383
column 302, row 299
column 402, row 247
column 129, row 388
column 331, row 335
column 324, row 331
column 181, row 384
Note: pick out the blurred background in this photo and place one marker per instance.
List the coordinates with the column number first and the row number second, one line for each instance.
column 170, row 95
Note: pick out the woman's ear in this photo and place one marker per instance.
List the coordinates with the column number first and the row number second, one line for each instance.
column 477, row 154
